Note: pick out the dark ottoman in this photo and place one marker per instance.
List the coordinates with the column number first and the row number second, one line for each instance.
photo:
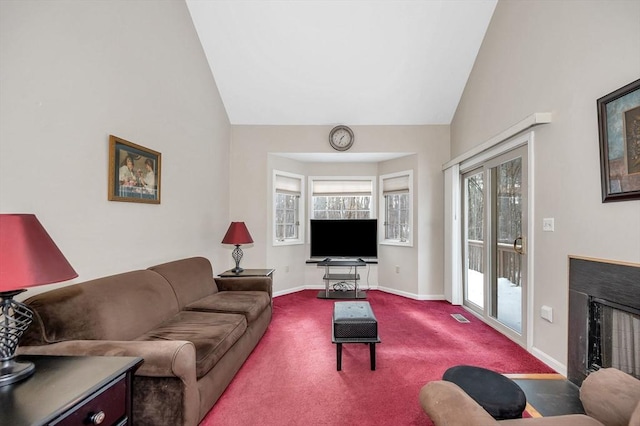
column 498, row 395
column 354, row 322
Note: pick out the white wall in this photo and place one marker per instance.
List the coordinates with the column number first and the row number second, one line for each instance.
column 398, row 270
column 71, row 73
column 255, row 153
column 290, row 259
column 559, row 57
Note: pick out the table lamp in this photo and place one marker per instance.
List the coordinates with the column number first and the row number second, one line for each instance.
column 237, row 234
column 28, row 258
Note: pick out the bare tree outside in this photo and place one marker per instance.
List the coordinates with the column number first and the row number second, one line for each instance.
column 509, row 215
column 342, row 207
column 475, row 222
column 509, row 210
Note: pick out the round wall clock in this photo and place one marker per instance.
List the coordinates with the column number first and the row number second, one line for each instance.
column 341, row 138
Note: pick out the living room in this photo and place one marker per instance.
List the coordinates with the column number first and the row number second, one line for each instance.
column 73, row 73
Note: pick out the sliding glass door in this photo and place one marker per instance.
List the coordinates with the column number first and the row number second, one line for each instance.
column 494, row 240
column 508, row 242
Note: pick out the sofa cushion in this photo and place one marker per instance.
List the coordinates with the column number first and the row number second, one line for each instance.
column 635, row 417
column 620, row 387
column 211, row 333
column 118, row 307
column 248, row 303
column 191, row 278
column 447, row 404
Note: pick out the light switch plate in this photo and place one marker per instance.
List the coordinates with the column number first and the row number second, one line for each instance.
column 546, row 312
column 548, row 224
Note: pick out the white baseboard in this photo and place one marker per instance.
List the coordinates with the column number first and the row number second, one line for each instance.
column 540, row 355
column 385, row 289
column 412, row 295
column 551, row 362
column 288, row 291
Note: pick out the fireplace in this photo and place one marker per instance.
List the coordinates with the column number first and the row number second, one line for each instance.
column 604, row 317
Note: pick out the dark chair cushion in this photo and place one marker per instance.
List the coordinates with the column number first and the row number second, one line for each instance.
column 499, row 395
column 354, row 320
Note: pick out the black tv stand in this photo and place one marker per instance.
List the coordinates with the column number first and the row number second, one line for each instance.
column 341, row 278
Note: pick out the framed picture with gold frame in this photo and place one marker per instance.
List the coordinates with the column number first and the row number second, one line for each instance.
column 619, row 131
column 134, row 172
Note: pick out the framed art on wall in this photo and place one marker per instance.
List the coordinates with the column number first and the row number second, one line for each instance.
column 134, row 172
column 619, row 131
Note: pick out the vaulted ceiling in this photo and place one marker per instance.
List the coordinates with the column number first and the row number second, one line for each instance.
column 305, row 62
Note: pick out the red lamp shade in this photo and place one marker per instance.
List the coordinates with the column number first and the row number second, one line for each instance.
column 28, row 255
column 237, row 234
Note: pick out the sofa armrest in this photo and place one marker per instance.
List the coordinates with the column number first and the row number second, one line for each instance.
column 610, row 395
column 245, row 284
column 447, row 404
column 172, row 358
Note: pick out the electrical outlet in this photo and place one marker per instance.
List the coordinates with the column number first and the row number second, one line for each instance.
column 397, row 269
column 286, row 268
column 548, row 224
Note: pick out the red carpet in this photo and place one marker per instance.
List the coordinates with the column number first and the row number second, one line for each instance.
column 291, row 378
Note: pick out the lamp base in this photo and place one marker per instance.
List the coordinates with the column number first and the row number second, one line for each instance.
column 12, row 371
column 15, row 318
column 237, row 256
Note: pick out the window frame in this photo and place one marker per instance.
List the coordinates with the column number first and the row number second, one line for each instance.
column 301, row 209
column 383, row 210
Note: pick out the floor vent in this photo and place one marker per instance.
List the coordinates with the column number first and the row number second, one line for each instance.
column 459, row 318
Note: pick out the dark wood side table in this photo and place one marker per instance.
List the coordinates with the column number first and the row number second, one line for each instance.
column 71, row 390
column 248, row 273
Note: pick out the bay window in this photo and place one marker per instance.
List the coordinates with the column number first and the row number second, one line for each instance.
column 396, row 207
column 288, row 210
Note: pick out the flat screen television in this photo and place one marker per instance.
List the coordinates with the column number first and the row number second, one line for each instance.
column 352, row 238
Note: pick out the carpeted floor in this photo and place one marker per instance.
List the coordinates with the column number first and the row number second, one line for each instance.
column 291, row 378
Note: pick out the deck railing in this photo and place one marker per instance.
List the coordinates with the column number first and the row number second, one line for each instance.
column 508, row 260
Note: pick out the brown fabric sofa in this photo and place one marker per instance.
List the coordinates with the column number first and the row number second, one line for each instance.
column 609, row 397
column 194, row 332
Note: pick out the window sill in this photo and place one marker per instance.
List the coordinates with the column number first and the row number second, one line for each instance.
column 396, row 243
column 288, row 243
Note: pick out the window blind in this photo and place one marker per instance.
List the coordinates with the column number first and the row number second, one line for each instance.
column 289, row 185
column 395, row 185
column 341, row 187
